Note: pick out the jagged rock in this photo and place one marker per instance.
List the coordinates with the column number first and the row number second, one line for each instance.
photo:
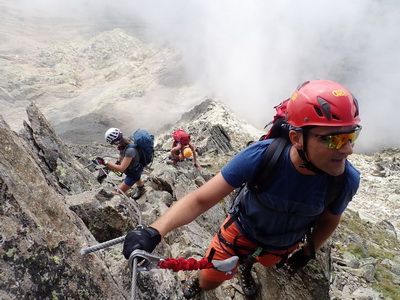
column 387, row 226
column 60, row 168
column 41, row 236
column 357, row 262
column 47, row 214
column 310, row 283
column 105, row 214
column 393, row 266
column 84, row 86
column 76, row 83
column 216, row 133
column 359, row 248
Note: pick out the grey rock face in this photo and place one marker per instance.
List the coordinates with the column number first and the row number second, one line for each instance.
column 41, row 236
column 45, row 223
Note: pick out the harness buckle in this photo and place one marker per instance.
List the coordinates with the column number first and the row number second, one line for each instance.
column 257, row 252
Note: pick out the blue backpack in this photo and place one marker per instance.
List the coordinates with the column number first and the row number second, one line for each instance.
column 144, row 143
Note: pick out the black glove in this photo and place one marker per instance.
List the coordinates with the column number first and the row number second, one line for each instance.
column 176, row 160
column 143, row 238
column 98, row 161
column 298, row 260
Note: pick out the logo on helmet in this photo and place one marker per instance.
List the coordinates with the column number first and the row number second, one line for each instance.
column 294, row 96
column 338, row 93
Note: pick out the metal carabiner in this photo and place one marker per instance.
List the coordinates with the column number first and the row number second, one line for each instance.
column 146, row 260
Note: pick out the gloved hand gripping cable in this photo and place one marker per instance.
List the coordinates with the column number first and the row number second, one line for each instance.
column 140, row 260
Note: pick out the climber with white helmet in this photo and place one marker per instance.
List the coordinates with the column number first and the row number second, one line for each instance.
column 128, row 162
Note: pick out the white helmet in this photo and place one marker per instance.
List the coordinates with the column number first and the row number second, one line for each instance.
column 113, row 135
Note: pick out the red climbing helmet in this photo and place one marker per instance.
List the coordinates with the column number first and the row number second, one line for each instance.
column 322, row 103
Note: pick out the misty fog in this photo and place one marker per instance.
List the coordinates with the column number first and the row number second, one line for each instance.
column 253, row 54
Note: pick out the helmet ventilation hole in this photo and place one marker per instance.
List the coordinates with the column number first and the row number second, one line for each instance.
column 318, row 111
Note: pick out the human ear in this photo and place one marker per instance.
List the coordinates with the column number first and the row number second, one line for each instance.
column 296, row 138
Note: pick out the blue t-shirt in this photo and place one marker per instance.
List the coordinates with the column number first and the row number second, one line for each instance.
column 281, row 215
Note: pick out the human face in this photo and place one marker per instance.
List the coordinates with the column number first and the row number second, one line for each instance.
column 329, row 147
column 118, row 140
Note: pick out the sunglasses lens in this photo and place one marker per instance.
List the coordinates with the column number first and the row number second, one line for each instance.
column 337, row 141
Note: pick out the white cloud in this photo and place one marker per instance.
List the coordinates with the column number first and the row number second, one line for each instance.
column 252, row 54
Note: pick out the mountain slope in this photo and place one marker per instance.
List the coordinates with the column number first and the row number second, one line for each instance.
column 47, row 216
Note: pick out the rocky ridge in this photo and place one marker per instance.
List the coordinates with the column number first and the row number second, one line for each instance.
column 105, row 80
column 80, row 78
column 52, row 207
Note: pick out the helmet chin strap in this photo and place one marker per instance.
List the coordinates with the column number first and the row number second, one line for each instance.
column 308, row 164
column 302, row 153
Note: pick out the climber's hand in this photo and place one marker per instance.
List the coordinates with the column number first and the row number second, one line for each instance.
column 176, row 160
column 143, row 238
column 98, row 161
column 298, row 260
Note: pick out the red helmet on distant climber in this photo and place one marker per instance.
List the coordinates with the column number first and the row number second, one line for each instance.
column 113, row 135
column 322, row 103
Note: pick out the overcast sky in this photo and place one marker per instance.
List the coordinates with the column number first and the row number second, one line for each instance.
column 252, row 54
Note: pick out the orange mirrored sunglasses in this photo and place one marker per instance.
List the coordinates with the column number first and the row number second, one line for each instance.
column 338, row 140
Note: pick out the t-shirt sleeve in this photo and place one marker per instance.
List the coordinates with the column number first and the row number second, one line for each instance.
column 131, row 152
column 243, row 166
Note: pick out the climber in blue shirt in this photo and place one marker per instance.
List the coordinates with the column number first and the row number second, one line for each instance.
column 321, row 122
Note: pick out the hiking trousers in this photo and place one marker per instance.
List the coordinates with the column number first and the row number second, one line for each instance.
column 223, row 252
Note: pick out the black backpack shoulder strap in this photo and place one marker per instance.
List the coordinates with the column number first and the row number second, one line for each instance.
column 267, row 168
column 264, row 175
column 336, row 185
